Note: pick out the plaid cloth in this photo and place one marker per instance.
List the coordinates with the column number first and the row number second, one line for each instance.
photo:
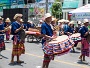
column 18, row 46
column 59, row 48
column 8, row 35
column 85, row 49
column 2, row 44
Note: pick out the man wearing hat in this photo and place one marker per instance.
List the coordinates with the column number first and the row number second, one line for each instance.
column 85, row 45
column 47, row 33
column 7, row 24
column 18, row 43
column 2, row 44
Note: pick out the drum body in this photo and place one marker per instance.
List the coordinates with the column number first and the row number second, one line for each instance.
column 76, row 37
column 60, row 46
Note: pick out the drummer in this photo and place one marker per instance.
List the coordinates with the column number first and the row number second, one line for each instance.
column 47, row 33
column 69, row 29
column 85, row 45
column 2, row 44
column 18, row 44
column 7, row 24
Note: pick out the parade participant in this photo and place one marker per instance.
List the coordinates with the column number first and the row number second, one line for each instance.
column 65, row 27
column 18, row 44
column 53, row 24
column 7, row 24
column 47, row 33
column 40, row 23
column 69, row 30
column 2, row 44
column 85, row 45
column 60, row 24
column 30, row 24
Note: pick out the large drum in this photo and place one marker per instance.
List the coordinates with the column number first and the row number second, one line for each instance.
column 76, row 37
column 61, row 45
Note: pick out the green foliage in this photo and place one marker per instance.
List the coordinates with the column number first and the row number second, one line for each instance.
column 57, row 9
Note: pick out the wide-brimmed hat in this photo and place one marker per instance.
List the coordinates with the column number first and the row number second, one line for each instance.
column 85, row 21
column 47, row 15
column 1, row 18
column 17, row 15
column 7, row 20
column 40, row 20
column 71, row 22
column 79, row 22
column 29, row 21
column 60, row 21
column 66, row 21
column 21, row 20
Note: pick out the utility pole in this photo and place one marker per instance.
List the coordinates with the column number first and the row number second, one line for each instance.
column 46, row 6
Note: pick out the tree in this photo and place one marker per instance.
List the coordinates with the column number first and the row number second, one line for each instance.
column 57, row 9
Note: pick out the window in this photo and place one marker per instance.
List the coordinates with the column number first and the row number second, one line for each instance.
column 84, row 2
column 89, row 1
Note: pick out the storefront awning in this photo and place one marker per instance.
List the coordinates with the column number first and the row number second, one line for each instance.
column 68, row 4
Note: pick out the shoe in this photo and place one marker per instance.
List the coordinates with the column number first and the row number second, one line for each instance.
column 20, row 61
column 85, row 62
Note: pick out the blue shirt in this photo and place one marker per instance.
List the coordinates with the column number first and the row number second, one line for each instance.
column 15, row 26
column 46, row 30
column 69, row 29
column 83, row 30
column 1, row 28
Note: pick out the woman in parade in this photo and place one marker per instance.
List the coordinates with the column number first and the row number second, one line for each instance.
column 18, row 43
column 69, row 30
column 2, row 44
column 7, row 24
column 47, row 33
column 85, row 45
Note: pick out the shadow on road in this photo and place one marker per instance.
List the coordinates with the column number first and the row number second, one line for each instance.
column 4, row 57
column 15, row 63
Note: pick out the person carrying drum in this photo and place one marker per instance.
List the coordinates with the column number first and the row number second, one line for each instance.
column 18, row 44
column 85, row 44
column 47, row 33
column 69, row 30
column 2, row 44
column 7, row 24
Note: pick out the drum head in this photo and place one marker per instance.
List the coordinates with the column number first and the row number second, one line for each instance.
column 76, row 35
column 22, row 35
column 60, row 39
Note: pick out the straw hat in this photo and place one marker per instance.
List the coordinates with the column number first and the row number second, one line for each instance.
column 21, row 20
column 17, row 15
column 60, row 21
column 47, row 15
column 71, row 22
column 85, row 21
column 66, row 21
column 79, row 22
column 40, row 20
column 1, row 18
column 29, row 21
column 7, row 20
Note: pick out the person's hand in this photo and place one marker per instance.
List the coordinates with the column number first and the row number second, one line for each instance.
column 87, row 33
column 21, row 27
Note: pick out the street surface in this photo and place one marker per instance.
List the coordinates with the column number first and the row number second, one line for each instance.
column 34, row 56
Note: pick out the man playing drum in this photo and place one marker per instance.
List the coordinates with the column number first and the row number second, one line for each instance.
column 47, row 33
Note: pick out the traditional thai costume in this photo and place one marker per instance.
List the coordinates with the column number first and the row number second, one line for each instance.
column 18, row 44
column 46, row 30
column 85, row 45
column 2, row 44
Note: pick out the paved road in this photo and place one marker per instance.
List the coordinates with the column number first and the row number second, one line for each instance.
column 34, row 57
